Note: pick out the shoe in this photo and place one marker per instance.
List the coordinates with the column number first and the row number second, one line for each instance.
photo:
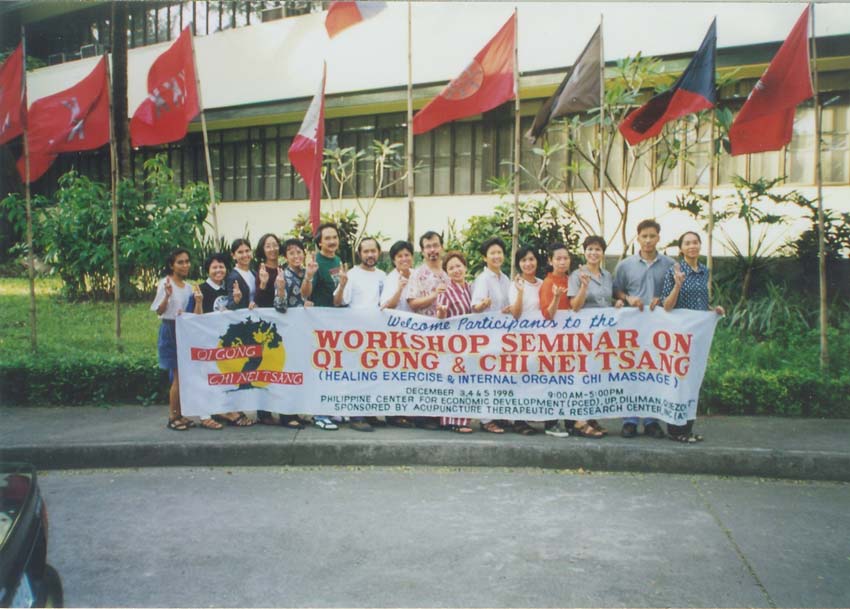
column 325, row 423
column 429, row 423
column 653, row 430
column 361, row 426
column 492, row 427
column 557, row 431
column 376, row 422
column 629, row 430
column 402, row 422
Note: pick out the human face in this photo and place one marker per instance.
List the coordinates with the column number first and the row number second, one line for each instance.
column 294, row 257
column 217, row 271
column 329, row 241
column 271, row 250
column 648, row 240
column 456, row 270
column 431, row 250
column 242, row 255
column 594, row 254
column 560, row 262
column 403, row 261
column 690, row 247
column 369, row 253
column 180, row 266
column 494, row 258
column 528, row 266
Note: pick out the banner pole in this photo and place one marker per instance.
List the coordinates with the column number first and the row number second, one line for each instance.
column 28, row 194
column 515, row 232
column 213, row 204
column 603, row 164
column 411, row 212
column 113, row 172
column 824, row 352
column 712, row 168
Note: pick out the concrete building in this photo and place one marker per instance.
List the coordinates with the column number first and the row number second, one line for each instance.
column 259, row 65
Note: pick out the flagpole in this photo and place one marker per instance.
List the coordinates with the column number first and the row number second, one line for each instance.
column 515, row 232
column 28, row 194
column 113, row 172
column 824, row 353
column 602, row 157
column 712, row 167
column 213, row 205
column 411, row 212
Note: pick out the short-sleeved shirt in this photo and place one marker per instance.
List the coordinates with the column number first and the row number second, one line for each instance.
column 530, row 298
column 424, row 282
column 546, row 295
column 600, row 290
column 326, row 280
column 457, row 299
column 292, row 282
column 638, row 277
column 215, row 297
column 390, row 287
column 694, row 291
column 495, row 286
column 363, row 288
column 178, row 301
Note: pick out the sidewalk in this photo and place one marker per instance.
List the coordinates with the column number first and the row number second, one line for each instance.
column 135, row 436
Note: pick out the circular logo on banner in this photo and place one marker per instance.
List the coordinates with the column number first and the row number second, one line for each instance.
column 467, row 84
column 269, row 356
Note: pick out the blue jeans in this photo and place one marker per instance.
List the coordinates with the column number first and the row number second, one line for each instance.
column 636, row 421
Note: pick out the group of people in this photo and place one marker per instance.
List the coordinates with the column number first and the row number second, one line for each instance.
column 437, row 288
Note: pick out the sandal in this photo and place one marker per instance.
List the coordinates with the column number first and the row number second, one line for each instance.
column 266, row 420
column 492, row 427
column 523, row 428
column 588, row 431
column 403, row 422
column 595, row 425
column 178, row 424
column 240, row 421
column 211, row 424
column 685, row 438
column 291, row 421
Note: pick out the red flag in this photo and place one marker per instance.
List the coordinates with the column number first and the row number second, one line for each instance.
column 172, row 100
column 767, row 119
column 71, row 120
column 307, row 150
column 487, row 82
column 12, row 106
column 342, row 15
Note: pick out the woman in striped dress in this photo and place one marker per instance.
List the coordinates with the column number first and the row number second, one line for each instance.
column 456, row 300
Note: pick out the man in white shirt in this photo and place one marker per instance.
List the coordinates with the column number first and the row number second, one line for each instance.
column 360, row 288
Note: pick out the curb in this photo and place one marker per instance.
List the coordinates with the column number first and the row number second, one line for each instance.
column 342, row 451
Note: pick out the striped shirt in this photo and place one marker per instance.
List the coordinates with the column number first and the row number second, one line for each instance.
column 457, row 298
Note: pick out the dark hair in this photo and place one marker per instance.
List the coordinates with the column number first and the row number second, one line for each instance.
column 398, row 246
column 291, row 243
column 237, row 243
column 649, row 223
column 360, row 245
column 554, row 247
column 594, row 239
column 454, row 254
column 490, row 243
column 323, row 226
column 524, row 251
column 215, row 257
column 430, row 235
column 685, row 234
column 172, row 257
column 260, row 253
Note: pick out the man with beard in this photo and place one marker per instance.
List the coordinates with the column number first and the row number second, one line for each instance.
column 425, row 285
column 360, row 288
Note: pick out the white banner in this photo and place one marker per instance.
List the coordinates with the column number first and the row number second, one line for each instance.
column 596, row 364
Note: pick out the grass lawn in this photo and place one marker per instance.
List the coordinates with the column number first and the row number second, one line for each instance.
column 71, row 328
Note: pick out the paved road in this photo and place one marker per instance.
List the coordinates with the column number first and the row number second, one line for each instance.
column 429, row 537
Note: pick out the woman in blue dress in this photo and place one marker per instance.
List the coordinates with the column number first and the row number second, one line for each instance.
column 686, row 287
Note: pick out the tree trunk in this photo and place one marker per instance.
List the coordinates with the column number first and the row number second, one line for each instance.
column 121, row 126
